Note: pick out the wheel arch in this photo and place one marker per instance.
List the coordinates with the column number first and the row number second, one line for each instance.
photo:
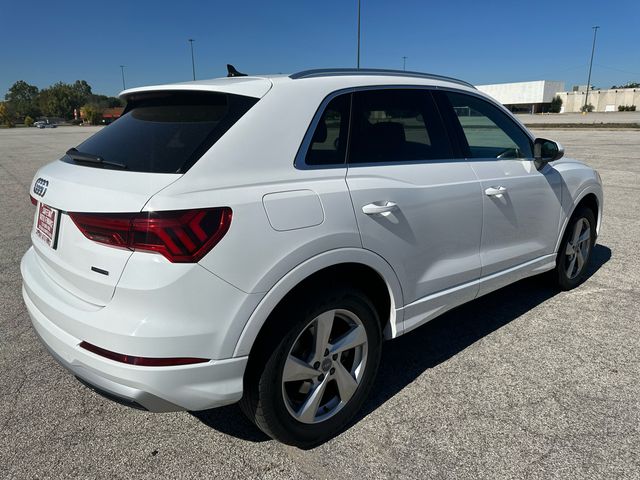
column 350, row 262
column 591, row 197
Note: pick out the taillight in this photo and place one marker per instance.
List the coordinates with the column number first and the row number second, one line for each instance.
column 141, row 361
column 182, row 236
column 33, row 200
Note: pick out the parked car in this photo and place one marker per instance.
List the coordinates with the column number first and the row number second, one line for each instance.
column 44, row 124
column 255, row 239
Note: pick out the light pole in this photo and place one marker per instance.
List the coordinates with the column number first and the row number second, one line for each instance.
column 358, row 60
column 593, row 49
column 193, row 62
column 122, row 71
column 404, row 63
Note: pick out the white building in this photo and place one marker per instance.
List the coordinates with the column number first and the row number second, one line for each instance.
column 524, row 97
column 607, row 100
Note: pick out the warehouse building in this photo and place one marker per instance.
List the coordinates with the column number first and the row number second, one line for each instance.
column 536, row 96
column 602, row 100
column 524, row 97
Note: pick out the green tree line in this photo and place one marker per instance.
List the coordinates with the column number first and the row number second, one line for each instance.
column 25, row 101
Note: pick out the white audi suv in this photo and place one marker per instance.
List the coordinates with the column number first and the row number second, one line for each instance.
column 256, row 238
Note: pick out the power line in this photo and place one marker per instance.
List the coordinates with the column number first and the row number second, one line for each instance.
column 617, row 69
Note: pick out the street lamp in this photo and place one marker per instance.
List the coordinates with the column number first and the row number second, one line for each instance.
column 122, row 71
column 593, row 49
column 358, row 60
column 404, row 63
column 193, row 62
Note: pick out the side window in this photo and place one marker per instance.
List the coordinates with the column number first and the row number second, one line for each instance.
column 329, row 142
column 396, row 125
column 488, row 131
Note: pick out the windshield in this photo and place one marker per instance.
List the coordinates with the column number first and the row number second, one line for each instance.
column 164, row 132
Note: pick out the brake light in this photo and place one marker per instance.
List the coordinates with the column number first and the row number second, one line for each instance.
column 33, row 200
column 141, row 361
column 182, row 236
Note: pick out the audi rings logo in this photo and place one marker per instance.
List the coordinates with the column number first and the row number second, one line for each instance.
column 40, row 188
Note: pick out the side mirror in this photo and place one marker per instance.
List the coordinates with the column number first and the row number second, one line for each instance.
column 545, row 151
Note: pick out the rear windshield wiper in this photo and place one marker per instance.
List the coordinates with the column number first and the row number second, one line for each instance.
column 79, row 156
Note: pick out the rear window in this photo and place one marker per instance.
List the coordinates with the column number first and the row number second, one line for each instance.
column 164, row 132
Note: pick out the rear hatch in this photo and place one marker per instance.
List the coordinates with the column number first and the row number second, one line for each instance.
column 113, row 174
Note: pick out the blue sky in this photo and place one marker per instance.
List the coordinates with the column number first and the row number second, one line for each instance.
column 43, row 42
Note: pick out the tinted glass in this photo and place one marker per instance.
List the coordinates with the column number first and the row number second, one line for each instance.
column 488, row 131
column 166, row 132
column 395, row 125
column 329, row 141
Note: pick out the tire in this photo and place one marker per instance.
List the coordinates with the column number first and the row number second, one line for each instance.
column 573, row 259
column 290, row 351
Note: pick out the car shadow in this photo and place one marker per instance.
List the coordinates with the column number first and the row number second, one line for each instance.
column 406, row 358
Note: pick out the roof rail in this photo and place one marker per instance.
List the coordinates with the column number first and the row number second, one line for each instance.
column 330, row 72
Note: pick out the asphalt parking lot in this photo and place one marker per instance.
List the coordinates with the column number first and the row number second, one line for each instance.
column 523, row 383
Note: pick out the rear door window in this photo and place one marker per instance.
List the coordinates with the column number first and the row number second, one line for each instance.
column 164, row 132
column 396, row 125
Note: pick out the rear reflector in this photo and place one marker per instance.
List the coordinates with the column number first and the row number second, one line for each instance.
column 141, row 361
column 182, row 236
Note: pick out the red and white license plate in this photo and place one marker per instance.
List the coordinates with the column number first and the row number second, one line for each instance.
column 47, row 224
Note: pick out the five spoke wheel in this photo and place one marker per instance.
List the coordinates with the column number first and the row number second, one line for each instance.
column 575, row 249
column 324, row 366
column 578, row 247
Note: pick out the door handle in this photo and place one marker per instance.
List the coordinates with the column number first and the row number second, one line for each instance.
column 379, row 207
column 495, row 191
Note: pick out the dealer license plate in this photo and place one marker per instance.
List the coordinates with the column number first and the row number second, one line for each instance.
column 47, row 224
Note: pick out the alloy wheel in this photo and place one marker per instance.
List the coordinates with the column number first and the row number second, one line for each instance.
column 325, row 366
column 578, row 246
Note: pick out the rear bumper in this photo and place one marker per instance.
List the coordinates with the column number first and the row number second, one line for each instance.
column 157, row 389
column 63, row 325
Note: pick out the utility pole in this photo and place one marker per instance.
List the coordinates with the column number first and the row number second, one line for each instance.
column 404, row 63
column 593, row 49
column 193, row 62
column 122, row 71
column 358, row 61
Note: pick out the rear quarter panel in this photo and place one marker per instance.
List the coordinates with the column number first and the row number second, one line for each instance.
column 255, row 159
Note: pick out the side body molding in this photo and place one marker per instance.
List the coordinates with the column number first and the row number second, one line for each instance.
column 308, row 268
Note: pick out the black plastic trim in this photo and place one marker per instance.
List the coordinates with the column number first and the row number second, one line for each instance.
column 111, row 396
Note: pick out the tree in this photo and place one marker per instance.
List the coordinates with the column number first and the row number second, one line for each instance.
column 28, row 121
column 23, row 99
column 104, row 101
column 92, row 112
column 81, row 89
column 587, row 108
column 60, row 99
column 6, row 114
column 556, row 104
column 627, row 85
